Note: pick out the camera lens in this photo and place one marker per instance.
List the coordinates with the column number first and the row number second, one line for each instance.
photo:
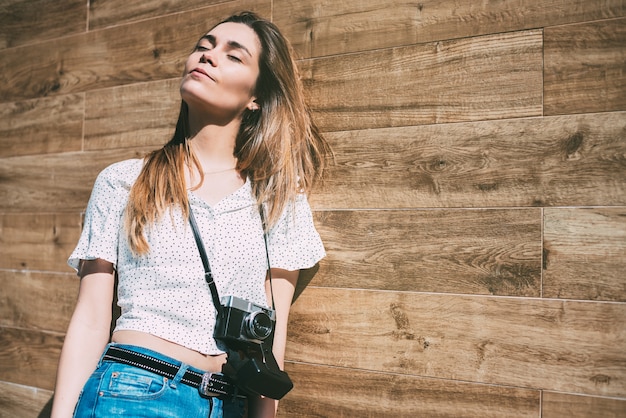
column 258, row 325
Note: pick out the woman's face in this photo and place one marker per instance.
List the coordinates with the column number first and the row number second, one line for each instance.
column 221, row 73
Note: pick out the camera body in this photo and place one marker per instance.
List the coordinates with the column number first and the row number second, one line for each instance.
column 244, row 323
column 247, row 329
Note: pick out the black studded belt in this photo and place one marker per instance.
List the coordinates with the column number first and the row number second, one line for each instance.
column 208, row 384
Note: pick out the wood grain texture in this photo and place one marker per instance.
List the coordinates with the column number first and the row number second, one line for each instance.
column 37, row 301
column 585, row 253
column 555, row 161
column 56, row 182
column 116, row 12
column 319, row 28
column 149, row 50
column 19, row 401
column 130, row 116
column 337, row 392
column 467, row 160
column 42, row 126
column 29, row 357
column 585, row 67
column 570, row 160
column 553, row 345
column 488, row 77
column 38, row 241
column 27, row 22
column 562, row 405
column 453, row 251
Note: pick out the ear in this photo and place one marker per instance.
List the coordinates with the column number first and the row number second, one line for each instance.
column 253, row 105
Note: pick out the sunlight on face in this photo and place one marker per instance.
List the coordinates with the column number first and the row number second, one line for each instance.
column 220, row 74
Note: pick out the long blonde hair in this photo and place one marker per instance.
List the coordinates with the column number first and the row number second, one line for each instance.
column 279, row 147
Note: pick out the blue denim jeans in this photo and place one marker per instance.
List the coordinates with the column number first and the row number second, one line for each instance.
column 120, row 390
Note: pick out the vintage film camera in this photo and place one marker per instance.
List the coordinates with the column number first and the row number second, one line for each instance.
column 247, row 330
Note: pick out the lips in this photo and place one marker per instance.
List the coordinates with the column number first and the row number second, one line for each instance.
column 201, row 72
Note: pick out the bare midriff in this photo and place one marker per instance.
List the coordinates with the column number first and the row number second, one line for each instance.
column 206, row 362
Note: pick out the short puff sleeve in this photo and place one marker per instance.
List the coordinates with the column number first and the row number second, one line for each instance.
column 102, row 226
column 294, row 243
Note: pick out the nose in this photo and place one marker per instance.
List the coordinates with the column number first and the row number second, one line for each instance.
column 207, row 58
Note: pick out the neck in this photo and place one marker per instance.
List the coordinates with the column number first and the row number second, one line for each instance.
column 214, row 144
column 214, row 154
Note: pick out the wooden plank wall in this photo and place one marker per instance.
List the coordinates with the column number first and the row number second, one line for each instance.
column 475, row 217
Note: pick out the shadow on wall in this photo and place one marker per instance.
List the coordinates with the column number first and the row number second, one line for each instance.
column 47, row 410
column 304, row 278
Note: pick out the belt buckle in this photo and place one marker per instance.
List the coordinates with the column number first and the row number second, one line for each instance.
column 207, row 386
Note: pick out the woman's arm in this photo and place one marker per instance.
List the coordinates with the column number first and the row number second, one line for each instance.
column 283, row 286
column 87, row 335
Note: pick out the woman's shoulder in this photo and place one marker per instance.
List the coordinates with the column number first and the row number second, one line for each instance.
column 122, row 173
column 126, row 169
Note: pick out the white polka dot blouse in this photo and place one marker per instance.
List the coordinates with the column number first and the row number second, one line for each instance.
column 164, row 292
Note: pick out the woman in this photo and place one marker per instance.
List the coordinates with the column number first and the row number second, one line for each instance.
column 244, row 146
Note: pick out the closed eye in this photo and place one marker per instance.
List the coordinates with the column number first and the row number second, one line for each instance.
column 229, row 46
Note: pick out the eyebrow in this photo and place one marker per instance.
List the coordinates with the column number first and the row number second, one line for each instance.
column 231, row 44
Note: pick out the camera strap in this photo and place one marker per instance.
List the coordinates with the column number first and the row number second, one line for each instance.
column 208, row 275
column 267, row 254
